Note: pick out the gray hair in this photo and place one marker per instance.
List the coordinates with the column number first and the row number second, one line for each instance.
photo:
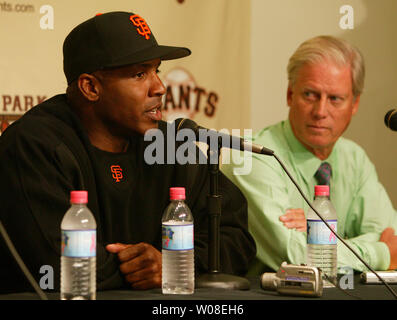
column 337, row 50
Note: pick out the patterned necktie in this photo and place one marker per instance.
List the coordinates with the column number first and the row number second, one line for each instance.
column 323, row 174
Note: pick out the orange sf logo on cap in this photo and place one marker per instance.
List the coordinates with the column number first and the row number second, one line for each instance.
column 141, row 26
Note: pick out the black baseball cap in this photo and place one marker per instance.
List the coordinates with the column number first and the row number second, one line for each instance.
column 112, row 39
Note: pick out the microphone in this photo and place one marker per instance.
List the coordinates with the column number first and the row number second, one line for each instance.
column 391, row 119
column 228, row 141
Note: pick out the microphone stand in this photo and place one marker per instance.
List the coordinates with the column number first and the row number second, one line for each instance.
column 214, row 278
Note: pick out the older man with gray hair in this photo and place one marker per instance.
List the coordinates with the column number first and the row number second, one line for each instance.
column 326, row 79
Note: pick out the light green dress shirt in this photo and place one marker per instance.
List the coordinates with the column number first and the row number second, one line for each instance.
column 363, row 207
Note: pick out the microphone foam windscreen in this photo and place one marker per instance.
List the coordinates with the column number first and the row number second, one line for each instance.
column 391, row 119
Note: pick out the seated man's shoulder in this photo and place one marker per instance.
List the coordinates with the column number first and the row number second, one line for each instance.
column 273, row 137
column 354, row 158
column 351, row 150
column 38, row 123
column 245, row 165
column 272, row 134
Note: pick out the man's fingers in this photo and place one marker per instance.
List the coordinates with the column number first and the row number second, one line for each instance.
column 293, row 214
column 132, row 251
column 116, row 247
column 294, row 219
column 140, row 263
column 298, row 225
column 148, row 273
column 386, row 234
column 127, row 251
column 147, row 261
column 292, row 224
column 142, row 269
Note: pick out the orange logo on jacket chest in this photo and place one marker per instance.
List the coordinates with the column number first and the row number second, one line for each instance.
column 117, row 173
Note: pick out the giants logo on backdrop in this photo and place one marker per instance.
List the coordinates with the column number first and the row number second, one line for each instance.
column 12, row 107
column 185, row 98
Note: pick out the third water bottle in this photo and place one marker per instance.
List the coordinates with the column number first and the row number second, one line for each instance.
column 321, row 241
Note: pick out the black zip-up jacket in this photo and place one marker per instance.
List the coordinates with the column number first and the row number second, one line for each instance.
column 46, row 154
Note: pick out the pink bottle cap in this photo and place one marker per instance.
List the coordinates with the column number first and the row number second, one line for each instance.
column 80, row 196
column 322, row 190
column 177, row 193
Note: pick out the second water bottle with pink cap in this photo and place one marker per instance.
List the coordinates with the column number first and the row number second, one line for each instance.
column 78, row 250
column 177, row 246
column 321, row 241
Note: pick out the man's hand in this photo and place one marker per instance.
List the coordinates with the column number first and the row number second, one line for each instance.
column 140, row 264
column 390, row 239
column 294, row 219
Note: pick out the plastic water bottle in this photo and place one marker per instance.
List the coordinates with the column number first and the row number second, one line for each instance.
column 321, row 241
column 78, row 260
column 177, row 246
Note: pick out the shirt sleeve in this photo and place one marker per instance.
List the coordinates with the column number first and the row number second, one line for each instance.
column 266, row 191
column 370, row 212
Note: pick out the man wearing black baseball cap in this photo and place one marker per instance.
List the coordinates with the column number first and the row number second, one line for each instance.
column 91, row 138
column 112, row 53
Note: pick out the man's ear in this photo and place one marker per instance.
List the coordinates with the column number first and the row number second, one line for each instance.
column 289, row 95
column 89, row 86
column 356, row 103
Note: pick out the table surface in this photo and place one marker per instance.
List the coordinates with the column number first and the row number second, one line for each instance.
column 359, row 292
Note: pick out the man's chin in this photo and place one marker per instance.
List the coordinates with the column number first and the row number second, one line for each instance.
column 319, row 147
column 153, row 125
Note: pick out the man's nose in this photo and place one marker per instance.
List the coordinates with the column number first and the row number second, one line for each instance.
column 320, row 108
column 157, row 87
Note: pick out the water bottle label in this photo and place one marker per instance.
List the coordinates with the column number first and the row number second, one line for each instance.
column 177, row 237
column 79, row 243
column 318, row 232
